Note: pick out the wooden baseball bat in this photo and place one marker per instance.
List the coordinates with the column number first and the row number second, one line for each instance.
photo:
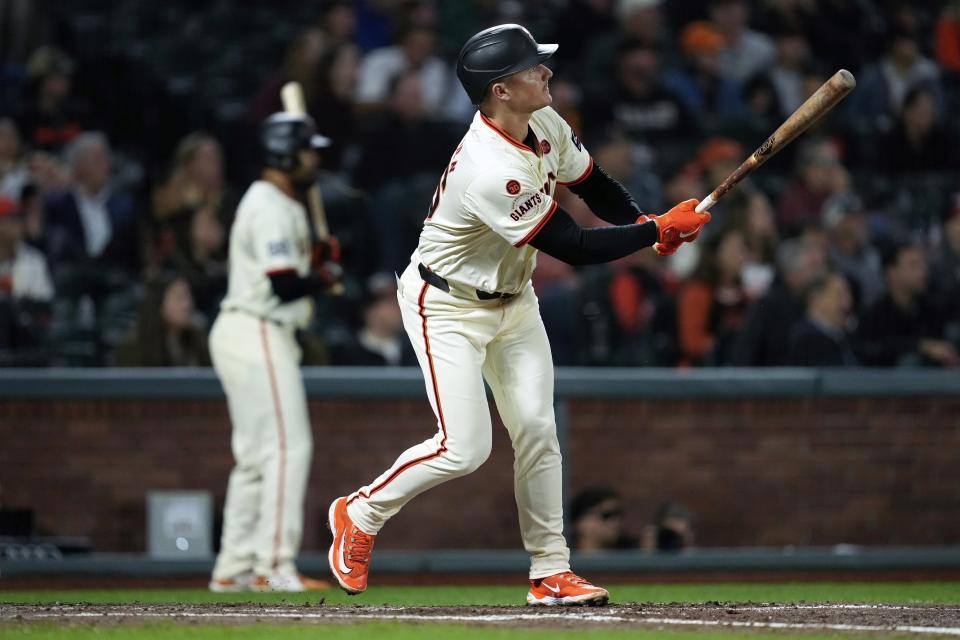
column 823, row 100
column 291, row 94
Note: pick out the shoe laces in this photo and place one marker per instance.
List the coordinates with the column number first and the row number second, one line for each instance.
column 359, row 547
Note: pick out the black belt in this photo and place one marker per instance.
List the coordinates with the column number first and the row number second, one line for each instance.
column 438, row 281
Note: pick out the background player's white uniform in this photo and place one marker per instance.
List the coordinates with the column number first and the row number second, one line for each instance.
column 494, row 196
column 256, row 356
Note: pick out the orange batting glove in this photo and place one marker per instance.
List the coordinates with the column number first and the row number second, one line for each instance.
column 678, row 225
column 661, row 249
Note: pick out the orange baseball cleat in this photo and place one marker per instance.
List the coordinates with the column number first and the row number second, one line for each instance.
column 237, row 583
column 565, row 588
column 350, row 552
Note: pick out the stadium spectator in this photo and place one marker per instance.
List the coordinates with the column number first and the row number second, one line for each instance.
column 764, row 340
column 788, row 73
column 640, row 21
column 596, row 521
column 380, row 341
column 850, row 250
column 905, row 327
column 711, row 305
column 31, row 208
column 91, row 221
column 639, row 103
column 699, row 81
column 883, row 86
column 200, row 259
column 299, row 65
column 745, row 52
column 671, row 529
column 338, row 24
column 333, row 109
column 948, row 37
column 414, row 54
column 13, row 170
column 919, row 141
column 26, row 289
column 166, row 334
column 402, row 190
column 819, row 175
column 820, row 338
column 946, row 270
column 50, row 118
column 196, row 181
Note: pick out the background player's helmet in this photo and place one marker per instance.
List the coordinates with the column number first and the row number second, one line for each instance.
column 284, row 135
column 497, row 52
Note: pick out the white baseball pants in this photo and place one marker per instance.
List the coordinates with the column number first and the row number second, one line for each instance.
column 459, row 343
column 258, row 363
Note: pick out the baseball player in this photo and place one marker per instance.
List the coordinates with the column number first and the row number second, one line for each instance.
column 472, row 315
column 256, row 357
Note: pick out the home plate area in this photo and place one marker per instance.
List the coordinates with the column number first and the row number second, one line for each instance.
column 922, row 620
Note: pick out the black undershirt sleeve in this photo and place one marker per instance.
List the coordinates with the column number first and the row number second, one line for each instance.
column 562, row 238
column 607, row 198
column 290, row 286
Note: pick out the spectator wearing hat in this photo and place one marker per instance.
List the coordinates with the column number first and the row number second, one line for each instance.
column 820, row 338
column 745, row 52
column 51, row 118
column 906, row 327
column 596, row 521
column 699, row 80
column 850, row 250
column 789, row 71
column 26, row 289
column 13, row 170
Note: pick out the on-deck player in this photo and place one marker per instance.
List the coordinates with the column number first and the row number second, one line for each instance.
column 471, row 313
column 274, row 269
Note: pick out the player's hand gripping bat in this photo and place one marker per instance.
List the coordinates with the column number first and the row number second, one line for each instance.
column 291, row 94
column 823, row 100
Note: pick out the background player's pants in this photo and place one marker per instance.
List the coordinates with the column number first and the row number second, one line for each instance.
column 259, row 365
column 459, row 343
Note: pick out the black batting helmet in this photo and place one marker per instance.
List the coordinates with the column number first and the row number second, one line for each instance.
column 284, row 135
column 497, row 52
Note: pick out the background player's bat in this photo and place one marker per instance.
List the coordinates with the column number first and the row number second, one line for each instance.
column 823, row 99
column 291, row 94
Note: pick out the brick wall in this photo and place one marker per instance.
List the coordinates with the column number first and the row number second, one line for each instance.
column 756, row 472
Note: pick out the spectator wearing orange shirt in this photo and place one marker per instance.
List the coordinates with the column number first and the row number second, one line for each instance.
column 711, row 305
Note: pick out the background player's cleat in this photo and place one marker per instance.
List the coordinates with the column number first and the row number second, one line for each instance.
column 350, row 552
column 565, row 588
column 288, row 583
column 239, row 582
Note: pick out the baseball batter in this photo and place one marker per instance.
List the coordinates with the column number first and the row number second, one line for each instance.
column 472, row 315
column 256, row 357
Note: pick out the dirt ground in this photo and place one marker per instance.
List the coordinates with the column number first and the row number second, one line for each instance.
column 924, row 620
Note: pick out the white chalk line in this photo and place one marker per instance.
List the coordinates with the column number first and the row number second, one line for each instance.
column 518, row 617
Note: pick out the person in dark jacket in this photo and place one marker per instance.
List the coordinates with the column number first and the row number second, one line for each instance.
column 820, row 339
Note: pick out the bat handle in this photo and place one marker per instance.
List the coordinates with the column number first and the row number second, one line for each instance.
column 706, row 203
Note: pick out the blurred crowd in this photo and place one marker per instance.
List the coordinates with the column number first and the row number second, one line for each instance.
column 844, row 250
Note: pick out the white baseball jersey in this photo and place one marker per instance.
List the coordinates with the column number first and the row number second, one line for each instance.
column 493, row 197
column 270, row 235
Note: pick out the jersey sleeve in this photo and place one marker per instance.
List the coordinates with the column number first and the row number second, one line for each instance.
column 274, row 242
column 575, row 161
column 512, row 206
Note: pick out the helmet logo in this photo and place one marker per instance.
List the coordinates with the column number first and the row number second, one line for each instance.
column 513, row 187
column 544, row 147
